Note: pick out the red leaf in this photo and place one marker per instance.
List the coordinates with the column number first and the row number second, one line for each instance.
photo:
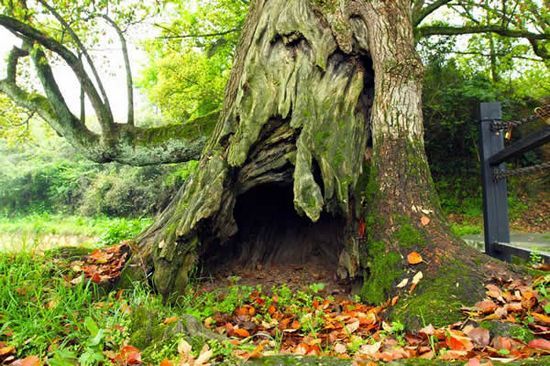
column 458, row 342
column 96, row 278
column 128, row 355
column 362, row 228
column 540, row 343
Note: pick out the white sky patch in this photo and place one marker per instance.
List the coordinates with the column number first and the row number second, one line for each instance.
column 108, row 60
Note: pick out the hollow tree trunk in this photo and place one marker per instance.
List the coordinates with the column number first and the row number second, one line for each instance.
column 311, row 79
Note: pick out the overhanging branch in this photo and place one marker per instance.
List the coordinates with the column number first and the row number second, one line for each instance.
column 129, row 81
column 420, row 13
column 432, row 30
column 28, row 33
column 84, row 52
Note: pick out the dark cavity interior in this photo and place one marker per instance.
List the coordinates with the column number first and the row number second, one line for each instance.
column 270, row 232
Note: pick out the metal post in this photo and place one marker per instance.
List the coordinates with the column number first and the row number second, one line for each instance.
column 495, row 203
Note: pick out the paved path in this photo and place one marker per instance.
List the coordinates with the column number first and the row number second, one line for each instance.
column 536, row 241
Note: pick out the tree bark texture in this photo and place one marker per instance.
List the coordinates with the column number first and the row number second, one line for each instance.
column 314, row 85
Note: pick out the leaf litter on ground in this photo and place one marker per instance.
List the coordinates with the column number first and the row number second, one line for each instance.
column 266, row 324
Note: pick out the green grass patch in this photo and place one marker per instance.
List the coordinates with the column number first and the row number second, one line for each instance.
column 45, row 223
column 461, row 229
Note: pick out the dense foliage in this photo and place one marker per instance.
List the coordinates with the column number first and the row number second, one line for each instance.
column 48, row 179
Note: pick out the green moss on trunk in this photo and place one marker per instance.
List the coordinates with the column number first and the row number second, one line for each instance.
column 384, row 268
column 440, row 296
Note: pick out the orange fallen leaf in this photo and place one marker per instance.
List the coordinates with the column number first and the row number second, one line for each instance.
column 414, row 258
column 128, row 355
column 528, row 300
column 243, row 333
column 458, row 342
column 486, row 306
column 170, row 320
column 27, row 361
column 425, row 220
column 7, row 350
column 541, row 318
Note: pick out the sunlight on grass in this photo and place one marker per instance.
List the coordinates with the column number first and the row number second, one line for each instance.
column 44, row 231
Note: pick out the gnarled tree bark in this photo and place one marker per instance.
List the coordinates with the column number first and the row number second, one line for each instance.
column 314, row 83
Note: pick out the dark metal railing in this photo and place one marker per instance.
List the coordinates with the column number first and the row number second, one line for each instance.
column 493, row 174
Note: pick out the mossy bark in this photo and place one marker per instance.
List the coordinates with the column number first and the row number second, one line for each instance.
column 311, row 80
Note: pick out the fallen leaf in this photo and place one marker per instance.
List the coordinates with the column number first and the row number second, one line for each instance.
column 170, row 320
column 243, row 333
column 27, row 361
column 352, row 327
column 541, row 318
column 480, row 336
column 427, row 330
column 528, row 300
column 457, row 342
column 425, row 220
column 204, row 356
column 370, row 349
column 340, row 348
column 7, row 350
column 473, row 362
column 414, row 258
column 184, row 348
column 500, row 343
column 128, row 355
column 486, row 306
column 403, row 283
column 417, row 277
column 540, row 343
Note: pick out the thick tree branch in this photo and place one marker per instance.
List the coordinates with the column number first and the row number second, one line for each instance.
column 448, row 30
column 13, row 58
column 78, row 136
column 129, row 81
column 84, row 52
column 27, row 32
column 539, row 49
column 420, row 13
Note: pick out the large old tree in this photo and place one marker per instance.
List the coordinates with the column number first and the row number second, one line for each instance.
column 318, row 152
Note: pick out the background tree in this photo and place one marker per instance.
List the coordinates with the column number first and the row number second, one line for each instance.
column 310, row 80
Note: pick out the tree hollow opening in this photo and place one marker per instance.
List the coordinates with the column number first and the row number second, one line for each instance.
column 272, row 234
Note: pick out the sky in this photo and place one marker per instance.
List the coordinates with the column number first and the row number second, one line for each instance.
column 110, row 65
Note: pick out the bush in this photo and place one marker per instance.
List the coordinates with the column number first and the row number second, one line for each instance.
column 37, row 180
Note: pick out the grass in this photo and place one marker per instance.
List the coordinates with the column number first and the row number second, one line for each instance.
column 43, row 314
column 36, row 230
column 45, row 223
